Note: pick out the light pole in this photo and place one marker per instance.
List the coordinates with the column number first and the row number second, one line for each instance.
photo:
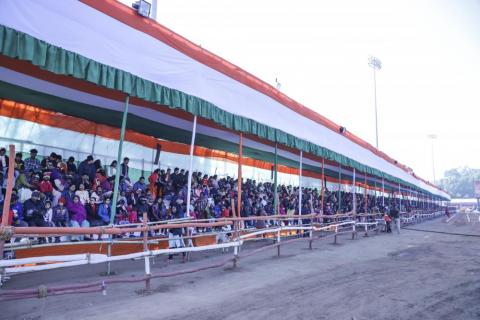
column 433, row 137
column 376, row 64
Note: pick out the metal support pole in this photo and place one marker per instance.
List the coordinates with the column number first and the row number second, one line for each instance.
column 190, row 168
column 119, row 161
column 366, row 194
column 376, row 112
column 339, row 187
column 399, row 198
column 239, row 180
column 323, row 185
column 383, row 192
column 275, row 195
column 300, row 188
column 354, row 193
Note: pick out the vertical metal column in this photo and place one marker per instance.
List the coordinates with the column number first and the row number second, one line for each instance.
column 354, row 193
column 275, row 192
column 119, row 161
column 300, row 184
column 190, row 167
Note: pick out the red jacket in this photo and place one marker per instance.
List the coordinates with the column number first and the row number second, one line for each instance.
column 46, row 186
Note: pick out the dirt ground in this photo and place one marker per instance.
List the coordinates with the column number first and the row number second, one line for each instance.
column 416, row 275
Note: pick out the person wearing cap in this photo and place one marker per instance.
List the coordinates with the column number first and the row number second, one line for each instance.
column 46, row 186
column 32, row 164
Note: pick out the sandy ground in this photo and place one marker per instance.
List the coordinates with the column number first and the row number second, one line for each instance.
column 416, row 275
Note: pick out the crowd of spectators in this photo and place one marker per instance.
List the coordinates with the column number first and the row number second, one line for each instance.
column 58, row 192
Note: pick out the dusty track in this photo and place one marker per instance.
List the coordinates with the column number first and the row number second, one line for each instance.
column 412, row 276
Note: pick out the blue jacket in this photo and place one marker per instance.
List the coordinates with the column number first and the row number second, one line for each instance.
column 104, row 212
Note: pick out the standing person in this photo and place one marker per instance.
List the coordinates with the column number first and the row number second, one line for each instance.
column 125, row 168
column 447, row 212
column 87, row 167
column 32, row 164
column 112, row 169
column 71, row 166
column 395, row 215
column 3, row 161
column 152, row 182
column 18, row 161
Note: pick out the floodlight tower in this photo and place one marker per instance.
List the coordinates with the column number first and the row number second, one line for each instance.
column 375, row 64
column 433, row 137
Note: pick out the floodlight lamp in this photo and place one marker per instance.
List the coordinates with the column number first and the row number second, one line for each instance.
column 375, row 63
column 143, row 8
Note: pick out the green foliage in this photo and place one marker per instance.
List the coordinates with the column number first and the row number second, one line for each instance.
column 459, row 182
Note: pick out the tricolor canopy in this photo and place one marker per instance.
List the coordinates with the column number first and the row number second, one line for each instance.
column 82, row 58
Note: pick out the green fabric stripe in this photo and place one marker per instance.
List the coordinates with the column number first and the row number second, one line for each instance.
column 48, row 57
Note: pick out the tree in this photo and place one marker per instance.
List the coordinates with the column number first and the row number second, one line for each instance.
column 459, row 182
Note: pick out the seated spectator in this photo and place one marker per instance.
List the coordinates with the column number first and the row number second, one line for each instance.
column 48, row 214
column 140, row 185
column 34, row 211
column 104, row 211
column 46, row 186
column 78, row 216
column 92, row 213
column 60, row 214
column 82, row 194
column 17, row 210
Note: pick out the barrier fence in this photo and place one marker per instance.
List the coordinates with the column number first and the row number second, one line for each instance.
column 301, row 228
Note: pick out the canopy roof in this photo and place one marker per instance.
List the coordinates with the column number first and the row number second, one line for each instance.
column 82, row 58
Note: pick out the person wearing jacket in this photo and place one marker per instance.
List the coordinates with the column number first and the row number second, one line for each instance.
column 34, row 210
column 60, row 216
column 78, row 216
column 17, row 210
column 87, row 167
column 104, row 210
column 22, row 180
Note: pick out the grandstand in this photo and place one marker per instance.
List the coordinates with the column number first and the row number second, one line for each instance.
column 94, row 81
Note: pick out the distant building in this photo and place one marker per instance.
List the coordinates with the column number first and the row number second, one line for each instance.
column 464, row 203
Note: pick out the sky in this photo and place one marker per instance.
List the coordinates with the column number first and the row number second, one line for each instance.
column 318, row 50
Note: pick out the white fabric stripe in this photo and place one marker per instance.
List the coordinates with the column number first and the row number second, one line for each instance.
column 36, row 84
column 74, row 26
column 47, row 139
